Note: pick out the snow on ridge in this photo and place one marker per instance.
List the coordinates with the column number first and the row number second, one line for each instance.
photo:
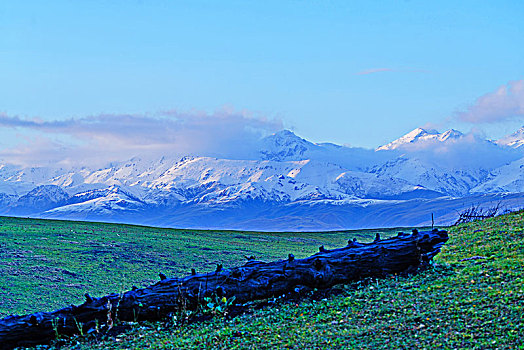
column 284, row 145
column 450, row 134
column 411, row 137
column 515, row 140
column 420, row 135
column 288, row 170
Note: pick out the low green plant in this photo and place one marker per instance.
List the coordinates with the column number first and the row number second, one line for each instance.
column 217, row 306
column 54, row 324
column 182, row 315
column 79, row 326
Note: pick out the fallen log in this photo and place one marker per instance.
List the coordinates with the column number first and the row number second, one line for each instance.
column 254, row 280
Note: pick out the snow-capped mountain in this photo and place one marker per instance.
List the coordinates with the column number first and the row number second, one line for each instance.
column 285, row 145
column 289, row 183
column 41, row 198
column 428, row 175
column 507, row 178
column 515, row 140
column 107, row 202
column 418, row 136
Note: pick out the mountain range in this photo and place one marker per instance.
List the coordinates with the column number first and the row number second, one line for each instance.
column 287, row 184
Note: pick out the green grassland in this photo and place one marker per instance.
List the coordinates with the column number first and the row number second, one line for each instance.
column 49, row 264
column 472, row 297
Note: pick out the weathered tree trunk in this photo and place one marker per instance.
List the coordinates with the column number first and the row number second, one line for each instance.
column 253, row 281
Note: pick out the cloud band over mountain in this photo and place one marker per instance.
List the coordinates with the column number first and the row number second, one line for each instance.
column 99, row 139
column 107, row 137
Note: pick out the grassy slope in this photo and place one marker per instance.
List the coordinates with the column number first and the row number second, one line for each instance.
column 471, row 304
column 456, row 304
column 48, row 264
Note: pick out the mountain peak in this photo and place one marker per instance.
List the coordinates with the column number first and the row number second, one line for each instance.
column 418, row 132
column 515, row 140
column 284, row 136
column 284, row 145
column 410, row 137
column 285, row 133
column 421, row 135
column 450, row 134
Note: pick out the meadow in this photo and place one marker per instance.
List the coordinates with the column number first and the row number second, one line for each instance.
column 49, row 264
column 472, row 296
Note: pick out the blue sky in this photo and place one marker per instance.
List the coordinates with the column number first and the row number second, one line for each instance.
column 350, row 73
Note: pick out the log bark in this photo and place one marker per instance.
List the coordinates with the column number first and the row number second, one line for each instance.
column 254, row 280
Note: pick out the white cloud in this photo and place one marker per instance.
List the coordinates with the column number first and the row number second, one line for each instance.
column 375, row 70
column 507, row 102
column 469, row 151
column 103, row 138
column 382, row 70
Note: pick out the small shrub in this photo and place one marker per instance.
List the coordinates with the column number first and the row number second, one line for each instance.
column 475, row 212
